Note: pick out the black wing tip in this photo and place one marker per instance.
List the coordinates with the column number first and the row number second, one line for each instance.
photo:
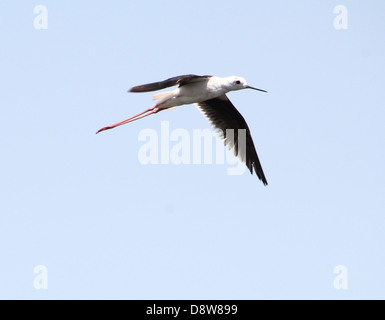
column 259, row 173
column 142, row 88
column 262, row 178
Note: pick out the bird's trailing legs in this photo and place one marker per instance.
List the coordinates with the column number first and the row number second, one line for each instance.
column 141, row 115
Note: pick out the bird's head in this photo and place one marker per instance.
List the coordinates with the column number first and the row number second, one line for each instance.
column 237, row 83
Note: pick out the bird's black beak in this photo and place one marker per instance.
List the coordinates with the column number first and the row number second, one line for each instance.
column 249, row 87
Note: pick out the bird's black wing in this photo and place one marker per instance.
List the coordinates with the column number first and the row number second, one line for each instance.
column 223, row 115
column 179, row 80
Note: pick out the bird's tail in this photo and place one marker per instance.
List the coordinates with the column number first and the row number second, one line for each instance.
column 162, row 97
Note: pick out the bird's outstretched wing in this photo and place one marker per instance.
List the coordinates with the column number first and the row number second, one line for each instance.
column 179, row 80
column 223, row 115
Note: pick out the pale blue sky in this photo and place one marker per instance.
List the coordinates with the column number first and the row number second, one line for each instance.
column 106, row 226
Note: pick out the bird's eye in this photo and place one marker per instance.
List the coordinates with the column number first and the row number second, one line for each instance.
column 238, row 82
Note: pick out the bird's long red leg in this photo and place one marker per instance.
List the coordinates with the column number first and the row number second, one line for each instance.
column 143, row 114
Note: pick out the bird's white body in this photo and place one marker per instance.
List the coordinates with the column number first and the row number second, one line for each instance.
column 199, row 91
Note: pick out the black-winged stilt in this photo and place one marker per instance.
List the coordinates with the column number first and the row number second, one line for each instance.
column 209, row 93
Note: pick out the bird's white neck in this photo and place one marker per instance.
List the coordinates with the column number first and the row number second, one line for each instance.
column 218, row 85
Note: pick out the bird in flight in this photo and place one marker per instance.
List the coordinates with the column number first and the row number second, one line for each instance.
column 209, row 93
